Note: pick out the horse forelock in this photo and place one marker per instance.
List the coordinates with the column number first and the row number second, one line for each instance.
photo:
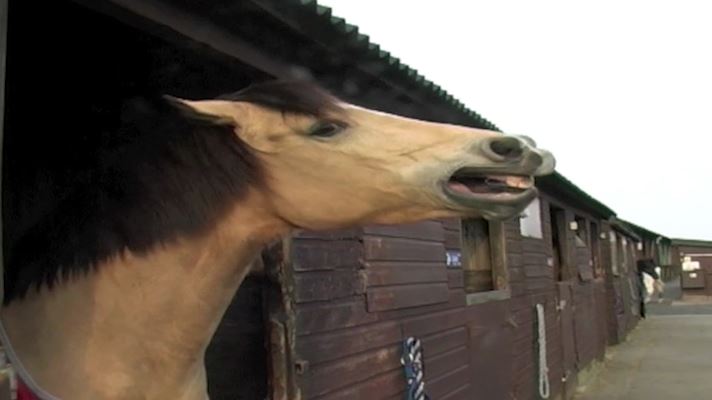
column 298, row 97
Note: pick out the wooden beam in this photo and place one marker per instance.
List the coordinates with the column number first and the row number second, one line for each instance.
column 3, row 64
column 281, row 323
column 498, row 246
column 184, row 25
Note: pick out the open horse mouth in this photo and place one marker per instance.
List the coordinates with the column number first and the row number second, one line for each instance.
column 471, row 186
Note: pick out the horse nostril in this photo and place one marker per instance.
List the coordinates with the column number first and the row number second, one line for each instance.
column 507, row 147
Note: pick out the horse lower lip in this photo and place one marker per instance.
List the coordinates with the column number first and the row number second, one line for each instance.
column 464, row 199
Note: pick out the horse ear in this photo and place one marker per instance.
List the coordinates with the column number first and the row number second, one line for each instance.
column 220, row 111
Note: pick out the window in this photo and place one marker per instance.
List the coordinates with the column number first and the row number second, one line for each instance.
column 483, row 260
column 530, row 222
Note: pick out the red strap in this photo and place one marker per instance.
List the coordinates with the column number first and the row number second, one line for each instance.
column 23, row 392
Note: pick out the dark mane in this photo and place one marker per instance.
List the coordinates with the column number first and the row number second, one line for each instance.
column 161, row 175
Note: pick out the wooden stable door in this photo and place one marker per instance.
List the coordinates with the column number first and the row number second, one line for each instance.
column 568, row 339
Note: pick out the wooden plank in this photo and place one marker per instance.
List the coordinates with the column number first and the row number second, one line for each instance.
column 341, row 234
column 498, row 248
column 312, row 318
column 331, row 376
column 399, row 396
column 584, row 325
column 514, row 245
column 560, row 220
column 333, row 345
column 477, row 281
column 535, row 259
column 453, row 240
column 537, row 271
column 456, row 299
column 540, row 285
column 437, row 388
column 441, row 364
column 395, row 297
column 583, row 264
column 516, row 274
column 315, row 255
column 514, row 260
column 381, row 273
column 517, row 289
column 329, row 285
column 455, row 279
column 393, row 249
column 567, row 315
column 444, row 341
column 280, row 319
column 535, row 246
column 387, row 385
column 426, row 230
column 452, row 223
column 476, row 246
column 3, row 64
column 427, row 324
column 463, row 393
column 490, row 341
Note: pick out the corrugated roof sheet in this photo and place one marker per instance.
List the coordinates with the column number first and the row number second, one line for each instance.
column 692, row 242
column 646, row 233
column 350, row 35
column 556, row 181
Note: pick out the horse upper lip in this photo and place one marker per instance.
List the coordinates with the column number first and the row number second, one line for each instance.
column 548, row 163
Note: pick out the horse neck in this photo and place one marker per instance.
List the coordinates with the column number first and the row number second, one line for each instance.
column 138, row 325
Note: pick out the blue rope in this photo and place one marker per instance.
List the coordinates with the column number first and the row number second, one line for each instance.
column 412, row 360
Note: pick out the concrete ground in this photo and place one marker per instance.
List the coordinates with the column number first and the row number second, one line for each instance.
column 667, row 357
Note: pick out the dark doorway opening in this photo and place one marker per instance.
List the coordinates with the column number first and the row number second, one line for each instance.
column 558, row 226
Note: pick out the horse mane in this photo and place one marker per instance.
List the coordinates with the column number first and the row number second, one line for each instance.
column 163, row 174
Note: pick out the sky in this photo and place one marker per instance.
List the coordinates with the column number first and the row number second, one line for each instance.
column 620, row 91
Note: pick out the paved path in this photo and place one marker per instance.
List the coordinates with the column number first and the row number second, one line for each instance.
column 668, row 357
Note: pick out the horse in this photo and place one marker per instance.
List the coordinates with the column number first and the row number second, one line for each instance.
column 116, row 292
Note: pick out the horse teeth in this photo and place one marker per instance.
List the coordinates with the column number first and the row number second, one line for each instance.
column 495, row 182
column 519, row 182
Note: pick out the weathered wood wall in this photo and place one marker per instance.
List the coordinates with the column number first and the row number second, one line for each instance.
column 360, row 292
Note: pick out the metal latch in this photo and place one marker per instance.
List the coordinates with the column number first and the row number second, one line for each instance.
column 561, row 305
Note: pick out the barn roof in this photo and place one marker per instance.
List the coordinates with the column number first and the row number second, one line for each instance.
column 293, row 38
column 692, row 243
column 644, row 232
column 316, row 21
column 622, row 227
column 567, row 190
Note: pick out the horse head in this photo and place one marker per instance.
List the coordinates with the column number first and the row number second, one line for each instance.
column 332, row 164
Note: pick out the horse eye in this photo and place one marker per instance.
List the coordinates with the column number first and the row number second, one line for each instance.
column 326, row 129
